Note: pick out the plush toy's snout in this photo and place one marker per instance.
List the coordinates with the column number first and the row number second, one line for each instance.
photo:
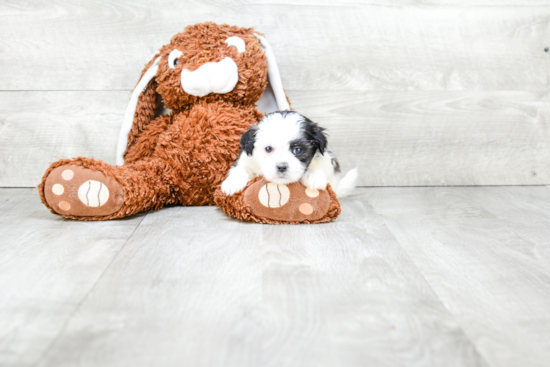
column 212, row 77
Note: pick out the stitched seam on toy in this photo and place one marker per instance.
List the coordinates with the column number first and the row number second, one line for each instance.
column 280, row 195
column 87, row 197
column 99, row 192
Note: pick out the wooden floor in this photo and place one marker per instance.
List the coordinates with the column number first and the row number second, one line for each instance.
column 434, row 276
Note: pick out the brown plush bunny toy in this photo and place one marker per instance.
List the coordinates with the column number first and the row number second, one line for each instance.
column 210, row 76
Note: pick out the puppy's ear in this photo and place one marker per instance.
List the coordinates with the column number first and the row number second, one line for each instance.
column 316, row 135
column 248, row 139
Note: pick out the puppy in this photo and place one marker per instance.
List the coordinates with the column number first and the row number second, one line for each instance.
column 287, row 147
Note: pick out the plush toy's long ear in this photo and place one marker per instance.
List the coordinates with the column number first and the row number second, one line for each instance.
column 140, row 110
column 274, row 99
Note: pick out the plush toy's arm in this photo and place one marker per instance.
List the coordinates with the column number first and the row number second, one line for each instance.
column 145, row 143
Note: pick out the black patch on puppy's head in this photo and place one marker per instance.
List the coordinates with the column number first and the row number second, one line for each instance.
column 307, row 150
column 312, row 139
column 315, row 134
column 248, row 139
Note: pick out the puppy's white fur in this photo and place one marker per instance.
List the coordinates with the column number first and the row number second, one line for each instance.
column 281, row 132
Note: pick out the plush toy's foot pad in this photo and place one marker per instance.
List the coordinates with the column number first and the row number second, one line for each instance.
column 292, row 203
column 78, row 191
column 265, row 202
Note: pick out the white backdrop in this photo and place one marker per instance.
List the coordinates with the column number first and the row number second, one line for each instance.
column 412, row 92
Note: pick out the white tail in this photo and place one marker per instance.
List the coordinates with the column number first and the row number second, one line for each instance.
column 346, row 184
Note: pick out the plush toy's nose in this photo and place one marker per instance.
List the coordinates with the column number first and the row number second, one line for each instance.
column 212, row 77
column 281, row 167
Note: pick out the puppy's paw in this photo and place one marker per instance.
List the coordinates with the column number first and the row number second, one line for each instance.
column 235, row 182
column 315, row 180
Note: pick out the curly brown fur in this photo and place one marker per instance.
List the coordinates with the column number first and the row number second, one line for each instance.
column 145, row 143
column 203, row 145
column 182, row 157
column 205, row 42
column 143, row 188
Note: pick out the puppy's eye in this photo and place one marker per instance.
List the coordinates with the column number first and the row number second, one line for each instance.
column 236, row 42
column 297, row 151
column 173, row 58
column 268, row 149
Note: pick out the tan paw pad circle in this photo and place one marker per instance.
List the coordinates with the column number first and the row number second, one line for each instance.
column 93, row 193
column 305, row 209
column 273, row 195
column 67, row 174
column 58, row 189
column 65, row 206
column 312, row 193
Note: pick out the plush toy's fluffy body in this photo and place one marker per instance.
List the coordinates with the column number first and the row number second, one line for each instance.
column 210, row 76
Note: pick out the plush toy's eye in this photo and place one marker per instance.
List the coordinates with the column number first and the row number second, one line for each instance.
column 297, row 151
column 173, row 58
column 236, row 42
column 268, row 149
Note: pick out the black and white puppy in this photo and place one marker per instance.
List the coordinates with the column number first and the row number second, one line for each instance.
column 286, row 147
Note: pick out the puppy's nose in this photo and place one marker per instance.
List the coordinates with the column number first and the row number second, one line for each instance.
column 281, row 167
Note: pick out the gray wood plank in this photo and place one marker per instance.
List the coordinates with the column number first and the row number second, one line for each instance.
column 470, row 245
column 7, row 196
column 439, row 138
column 469, row 3
column 47, row 267
column 184, row 291
column 377, row 45
column 408, row 138
column 346, row 294
column 37, row 128
column 194, row 288
column 526, row 212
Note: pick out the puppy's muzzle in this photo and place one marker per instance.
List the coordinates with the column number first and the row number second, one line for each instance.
column 213, row 77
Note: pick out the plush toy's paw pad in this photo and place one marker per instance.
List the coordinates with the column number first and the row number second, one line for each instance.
column 289, row 203
column 78, row 191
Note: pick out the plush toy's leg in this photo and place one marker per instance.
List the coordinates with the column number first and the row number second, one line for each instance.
column 177, row 161
column 269, row 203
column 88, row 189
